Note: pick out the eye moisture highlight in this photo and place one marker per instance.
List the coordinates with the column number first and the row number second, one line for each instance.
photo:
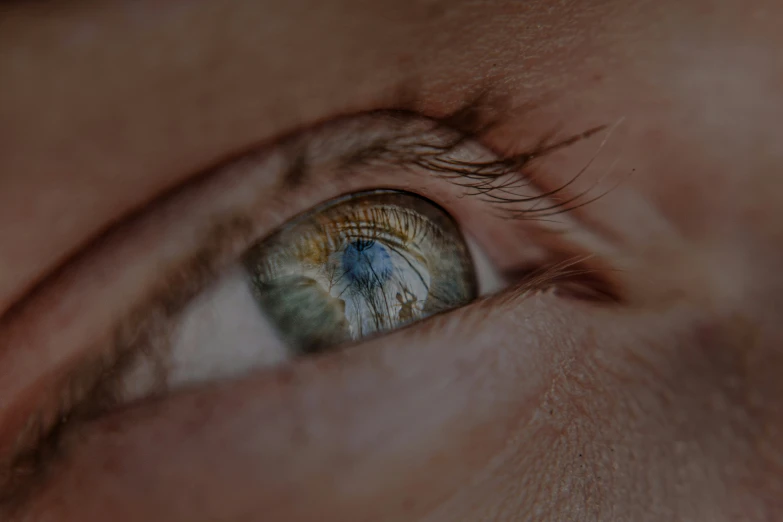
column 360, row 265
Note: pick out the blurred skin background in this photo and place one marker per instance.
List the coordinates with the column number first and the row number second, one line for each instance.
column 123, row 133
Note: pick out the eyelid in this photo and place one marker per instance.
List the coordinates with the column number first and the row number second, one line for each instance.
column 230, row 229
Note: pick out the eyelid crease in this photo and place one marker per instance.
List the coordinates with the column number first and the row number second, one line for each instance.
column 88, row 388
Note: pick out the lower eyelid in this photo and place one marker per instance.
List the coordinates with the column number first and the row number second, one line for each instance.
column 264, row 427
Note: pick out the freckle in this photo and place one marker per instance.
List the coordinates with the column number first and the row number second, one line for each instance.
column 551, row 412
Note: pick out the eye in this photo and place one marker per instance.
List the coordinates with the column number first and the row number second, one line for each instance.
column 322, row 240
column 360, row 265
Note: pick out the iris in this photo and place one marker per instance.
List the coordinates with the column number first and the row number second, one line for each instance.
column 359, row 265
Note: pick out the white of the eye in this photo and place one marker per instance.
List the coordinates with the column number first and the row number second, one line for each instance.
column 221, row 334
column 490, row 281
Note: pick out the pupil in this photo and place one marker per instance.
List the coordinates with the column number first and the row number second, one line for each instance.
column 367, row 263
column 363, row 244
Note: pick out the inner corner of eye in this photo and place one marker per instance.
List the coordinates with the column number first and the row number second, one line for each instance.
column 362, row 265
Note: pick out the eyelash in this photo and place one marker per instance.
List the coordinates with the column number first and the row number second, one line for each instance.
column 495, row 181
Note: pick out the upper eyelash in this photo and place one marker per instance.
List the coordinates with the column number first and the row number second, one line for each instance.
column 494, row 180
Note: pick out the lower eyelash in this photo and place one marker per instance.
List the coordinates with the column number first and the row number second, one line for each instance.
column 569, row 278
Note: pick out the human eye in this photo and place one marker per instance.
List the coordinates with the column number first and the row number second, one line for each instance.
column 363, row 264
column 323, row 243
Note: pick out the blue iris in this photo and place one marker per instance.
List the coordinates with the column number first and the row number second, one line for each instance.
column 366, row 262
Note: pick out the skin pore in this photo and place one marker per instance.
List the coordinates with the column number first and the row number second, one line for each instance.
column 664, row 405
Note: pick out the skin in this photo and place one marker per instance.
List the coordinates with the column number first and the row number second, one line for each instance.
column 663, row 406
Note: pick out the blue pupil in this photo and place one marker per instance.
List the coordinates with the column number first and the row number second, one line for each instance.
column 366, row 263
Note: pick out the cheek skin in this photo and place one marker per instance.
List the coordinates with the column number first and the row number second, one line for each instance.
column 379, row 432
column 604, row 421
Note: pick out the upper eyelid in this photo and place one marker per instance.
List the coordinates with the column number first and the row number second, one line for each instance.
column 168, row 296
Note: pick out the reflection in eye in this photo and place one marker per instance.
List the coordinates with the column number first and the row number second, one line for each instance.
column 360, row 265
